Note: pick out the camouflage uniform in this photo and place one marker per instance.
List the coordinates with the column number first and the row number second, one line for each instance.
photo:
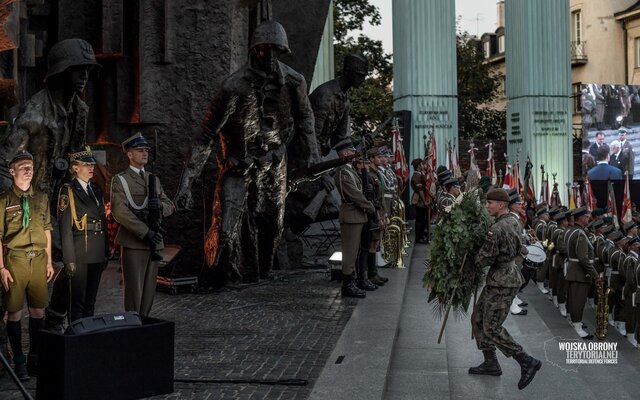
column 499, row 251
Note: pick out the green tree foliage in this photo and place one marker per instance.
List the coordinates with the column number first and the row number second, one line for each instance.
column 371, row 103
column 478, row 86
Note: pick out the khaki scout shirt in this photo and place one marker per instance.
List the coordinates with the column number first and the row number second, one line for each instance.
column 12, row 234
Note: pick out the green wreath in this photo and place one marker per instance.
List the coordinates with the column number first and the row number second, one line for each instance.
column 456, row 240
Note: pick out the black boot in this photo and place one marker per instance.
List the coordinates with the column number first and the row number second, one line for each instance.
column 373, row 271
column 20, row 367
column 489, row 366
column 363, row 282
column 529, row 366
column 349, row 288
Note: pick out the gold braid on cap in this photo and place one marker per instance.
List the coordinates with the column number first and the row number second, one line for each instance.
column 85, row 153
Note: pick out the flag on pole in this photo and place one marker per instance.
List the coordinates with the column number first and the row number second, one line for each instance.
column 491, row 165
column 401, row 167
column 528, row 188
column 544, row 188
column 457, row 173
column 555, row 200
column 572, row 202
column 507, row 182
column 611, row 205
column 589, row 197
column 626, row 201
column 577, row 194
column 517, row 181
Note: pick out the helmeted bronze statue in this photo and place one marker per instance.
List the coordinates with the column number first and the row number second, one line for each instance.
column 259, row 110
column 53, row 122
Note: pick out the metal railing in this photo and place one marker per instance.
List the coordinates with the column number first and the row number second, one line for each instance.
column 578, row 51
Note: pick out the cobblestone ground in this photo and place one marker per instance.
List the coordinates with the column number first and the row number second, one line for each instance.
column 279, row 330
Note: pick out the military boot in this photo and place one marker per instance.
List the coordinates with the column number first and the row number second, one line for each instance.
column 489, row 366
column 349, row 288
column 54, row 321
column 529, row 366
column 20, row 367
column 373, row 271
column 363, row 282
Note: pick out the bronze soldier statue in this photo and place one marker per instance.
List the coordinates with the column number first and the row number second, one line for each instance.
column 260, row 109
column 53, row 122
column 502, row 245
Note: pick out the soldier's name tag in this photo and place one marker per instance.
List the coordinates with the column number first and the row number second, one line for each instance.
column 15, row 208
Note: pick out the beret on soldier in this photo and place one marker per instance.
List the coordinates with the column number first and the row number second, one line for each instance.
column 579, row 212
column 497, row 194
column 597, row 212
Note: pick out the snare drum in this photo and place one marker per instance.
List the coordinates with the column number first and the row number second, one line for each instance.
column 536, row 257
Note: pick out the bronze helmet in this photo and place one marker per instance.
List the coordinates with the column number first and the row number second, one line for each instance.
column 68, row 53
column 270, row 32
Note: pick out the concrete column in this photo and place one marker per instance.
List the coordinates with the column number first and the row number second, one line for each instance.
column 538, row 87
column 424, row 70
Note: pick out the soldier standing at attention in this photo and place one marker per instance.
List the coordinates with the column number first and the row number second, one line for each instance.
column 580, row 269
column 83, row 225
column 25, row 259
column 353, row 218
column 499, row 251
column 377, row 179
column 130, row 203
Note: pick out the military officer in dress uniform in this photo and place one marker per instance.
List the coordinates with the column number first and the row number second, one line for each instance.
column 616, row 281
column 628, row 268
column 130, row 203
column 353, row 218
column 580, row 270
column 83, row 225
column 25, row 259
column 556, row 272
column 634, row 284
column 376, row 177
column 502, row 245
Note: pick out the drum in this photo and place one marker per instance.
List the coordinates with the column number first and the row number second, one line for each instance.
column 536, row 257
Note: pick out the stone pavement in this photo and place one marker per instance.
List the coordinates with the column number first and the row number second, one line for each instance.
column 283, row 329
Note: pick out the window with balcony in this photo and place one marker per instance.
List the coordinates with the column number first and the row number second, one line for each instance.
column 576, row 25
column 501, row 44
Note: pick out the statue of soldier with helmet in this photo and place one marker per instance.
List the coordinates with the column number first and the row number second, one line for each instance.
column 53, row 122
column 260, row 114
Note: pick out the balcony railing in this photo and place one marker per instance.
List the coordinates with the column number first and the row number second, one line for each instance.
column 578, row 52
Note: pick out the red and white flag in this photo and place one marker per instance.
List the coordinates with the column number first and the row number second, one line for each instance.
column 491, row 165
column 507, row 182
column 626, row 201
column 590, row 199
column 401, row 167
column 544, row 189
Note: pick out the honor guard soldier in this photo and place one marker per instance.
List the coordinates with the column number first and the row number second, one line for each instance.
column 563, row 254
column 540, row 228
column 556, row 272
column 580, row 270
column 634, row 283
column 130, row 204
column 448, row 197
column 25, row 259
column 353, row 218
column 83, row 225
column 499, row 251
column 616, row 280
column 516, row 211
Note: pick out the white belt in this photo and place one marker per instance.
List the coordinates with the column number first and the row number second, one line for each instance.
column 388, row 195
column 573, row 259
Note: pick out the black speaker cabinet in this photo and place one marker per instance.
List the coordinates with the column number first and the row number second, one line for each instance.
column 125, row 363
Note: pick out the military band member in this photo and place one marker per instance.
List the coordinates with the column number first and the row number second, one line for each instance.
column 353, row 218
column 421, row 202
column 130, row 203
column 377, row 180
column 502, row 245
column 559, row 223
column 563, row 255
column 635, row 299
column 390, row 194
column 540, row 228
column 616, row 281
column 580, row 270
column 516, row 211
column 25, row 260
column 83, row 225
column 630, row 229
column 448, row 197
column 556, row 273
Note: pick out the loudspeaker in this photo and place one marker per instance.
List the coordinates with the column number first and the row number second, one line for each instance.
column 104, row 322
column 125, row 363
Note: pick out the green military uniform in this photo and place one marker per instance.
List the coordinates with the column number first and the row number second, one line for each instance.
column 555, row 265
column 615, row 277
column 628, row 269
column 25, row 247
column 390, row 188
column 579, row 271
column 353, row 214
column 129, row 206
column 634, row 283
column 502, row 246
column 378, row 189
